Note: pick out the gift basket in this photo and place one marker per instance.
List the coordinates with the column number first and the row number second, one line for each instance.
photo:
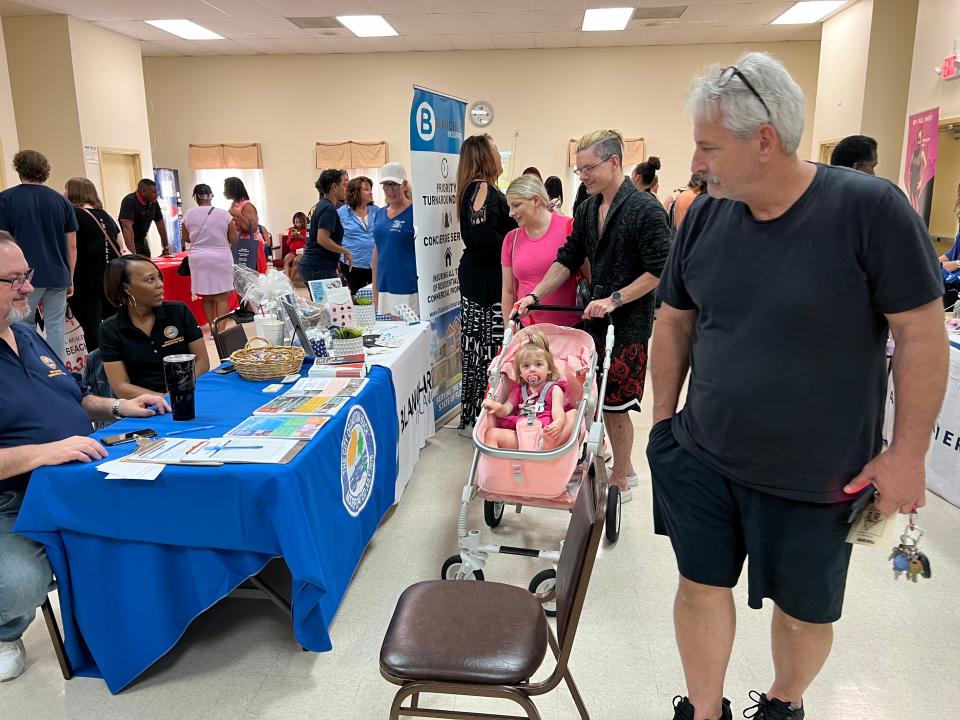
column 259, row 360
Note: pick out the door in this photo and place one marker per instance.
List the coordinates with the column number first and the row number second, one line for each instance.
column 119, row 173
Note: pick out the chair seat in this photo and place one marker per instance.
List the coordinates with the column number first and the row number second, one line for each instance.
column 467, row 632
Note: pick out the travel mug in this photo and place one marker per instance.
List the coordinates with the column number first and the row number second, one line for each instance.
column 178, row 372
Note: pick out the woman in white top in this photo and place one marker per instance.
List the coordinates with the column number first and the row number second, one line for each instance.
column 209, row 232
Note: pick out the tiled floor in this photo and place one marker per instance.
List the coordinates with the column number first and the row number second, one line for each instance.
column 896, row 653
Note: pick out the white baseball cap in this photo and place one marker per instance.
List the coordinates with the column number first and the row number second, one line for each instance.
column 393, row 172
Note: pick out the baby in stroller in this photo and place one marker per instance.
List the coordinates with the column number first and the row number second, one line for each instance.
column 537, row 409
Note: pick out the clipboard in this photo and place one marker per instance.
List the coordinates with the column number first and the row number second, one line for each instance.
column 169, row 451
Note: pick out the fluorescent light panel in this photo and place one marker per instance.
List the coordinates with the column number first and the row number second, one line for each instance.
column 186, row 29
column 601, row 19
column 804, row 13
column 367, row 25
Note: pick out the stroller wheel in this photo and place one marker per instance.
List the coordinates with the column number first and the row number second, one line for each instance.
column 492, row 513
column 613, row 513
column 451, row 570
column 542, row 582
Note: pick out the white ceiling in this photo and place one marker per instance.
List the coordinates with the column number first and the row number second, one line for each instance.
column 254, row 27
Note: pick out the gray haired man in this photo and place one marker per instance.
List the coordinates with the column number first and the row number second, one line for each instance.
column 777, row 297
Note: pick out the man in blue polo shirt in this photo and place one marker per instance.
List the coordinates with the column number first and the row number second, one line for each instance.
column 44, row 420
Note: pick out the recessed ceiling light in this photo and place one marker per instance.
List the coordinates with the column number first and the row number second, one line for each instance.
column 804, row 13
column 367, row 25
column 599, row 19
column 185, row 29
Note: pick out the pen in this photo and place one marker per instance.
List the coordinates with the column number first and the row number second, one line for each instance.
column 186, row 430
column 218, row 448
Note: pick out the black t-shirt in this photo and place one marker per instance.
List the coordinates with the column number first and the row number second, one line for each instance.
column 788, row 373
column 39, row 219
column 93, row 250
column 325, row 217
column 142, row 216
column 120, row 340
column 483, row 231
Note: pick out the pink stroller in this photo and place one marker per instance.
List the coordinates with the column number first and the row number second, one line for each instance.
column 547, row 479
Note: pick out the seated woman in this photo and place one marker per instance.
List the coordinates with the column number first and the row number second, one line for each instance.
column 145, row 329
column 296, row 241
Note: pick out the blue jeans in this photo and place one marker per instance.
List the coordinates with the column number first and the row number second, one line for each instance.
column 54, row 317
column 25, row 575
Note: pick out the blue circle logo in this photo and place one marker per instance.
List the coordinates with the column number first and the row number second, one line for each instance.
column 426, row 121
column 358, row 458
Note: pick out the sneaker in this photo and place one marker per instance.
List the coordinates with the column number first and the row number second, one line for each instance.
column 683, row 710
column 466, row 431
column 13, row 659
column 633, row 480
column 626, row 495
column 771, row 709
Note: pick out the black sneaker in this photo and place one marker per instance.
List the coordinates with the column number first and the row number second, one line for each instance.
column 771, row 709
column 683, row 710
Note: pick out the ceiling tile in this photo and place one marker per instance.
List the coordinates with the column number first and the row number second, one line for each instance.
column 150, row 49
column 684, row 36
column 416, row 24
column 642, row 36
column 739, row 34
column 347, row 45
column 556, row 39
column 269, row 47
column 559, row 5
column 306, row 47
column 808, row 32
column 557, row 21
column 242, row 8
column 430, row 43
column 136, row 29
column 514, row 41
column 598, row 39
column 291, row 8
column 472, row 42
column 388, row 44
column 275, row 28
column 759, row 13
column 713, row 12
column 188, row 47
column 506, row 6
column 195, row 10
column 341, row 7
column 226, row 47
column 773, row 33
column 509, row 22
column 452, row 6
column 461, row 23
column 396, row 7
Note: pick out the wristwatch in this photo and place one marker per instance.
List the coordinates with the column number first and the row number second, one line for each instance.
column 115, row 410
column 536, row 298
column 617, row 298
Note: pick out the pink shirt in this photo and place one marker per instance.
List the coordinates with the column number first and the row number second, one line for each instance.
column 530, row 261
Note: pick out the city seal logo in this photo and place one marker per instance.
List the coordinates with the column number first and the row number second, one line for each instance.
column 170, row 332
column 48, row 362
column 358, row 456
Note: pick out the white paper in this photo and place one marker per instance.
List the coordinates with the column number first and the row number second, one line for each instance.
column 117, row 470
column 242, row 450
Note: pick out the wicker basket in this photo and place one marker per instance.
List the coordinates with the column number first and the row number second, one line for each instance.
column 259, row 360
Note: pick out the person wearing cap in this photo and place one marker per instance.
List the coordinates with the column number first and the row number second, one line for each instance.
column 209, row 232
column 321, row 256
column 394, row 254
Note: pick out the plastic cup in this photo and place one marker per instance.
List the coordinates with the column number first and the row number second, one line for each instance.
column 270, row 329
column 178, row 372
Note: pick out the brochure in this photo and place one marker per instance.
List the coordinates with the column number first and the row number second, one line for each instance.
column 293, row 427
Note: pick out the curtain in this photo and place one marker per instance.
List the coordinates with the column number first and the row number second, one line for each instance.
column 351, row 154
column 241, row 156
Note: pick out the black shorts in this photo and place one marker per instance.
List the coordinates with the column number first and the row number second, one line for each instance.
column 798, row 550
column 627, row 377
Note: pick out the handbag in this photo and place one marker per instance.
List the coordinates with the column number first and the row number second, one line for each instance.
column 119, row 251
column 184, row 269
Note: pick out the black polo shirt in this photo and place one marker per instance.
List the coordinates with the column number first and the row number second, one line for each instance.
column 41, row 398
column 173, row 331
column 142, row 216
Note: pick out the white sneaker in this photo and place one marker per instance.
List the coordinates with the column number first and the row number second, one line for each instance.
column 466, row 432
column 626, row 495
column 13, row 660
column 633, row 480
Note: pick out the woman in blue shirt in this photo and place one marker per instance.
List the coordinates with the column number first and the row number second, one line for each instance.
column 394, row 258
column 358, row 215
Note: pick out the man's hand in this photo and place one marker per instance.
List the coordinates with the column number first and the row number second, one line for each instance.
column 76, row 448
column 144, row 406
column 898, row 477
column 70, row 291
column 347, row 258
column 599, row 308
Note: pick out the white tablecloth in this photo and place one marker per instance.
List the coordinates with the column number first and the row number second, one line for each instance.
column 410, row 365
column 943, row 457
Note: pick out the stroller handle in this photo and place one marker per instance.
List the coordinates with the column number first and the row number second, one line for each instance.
column 549, row 308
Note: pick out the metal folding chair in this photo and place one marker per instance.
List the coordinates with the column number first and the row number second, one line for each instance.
column 228, row 339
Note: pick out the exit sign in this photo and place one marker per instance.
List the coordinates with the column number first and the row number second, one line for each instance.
column 949, row 69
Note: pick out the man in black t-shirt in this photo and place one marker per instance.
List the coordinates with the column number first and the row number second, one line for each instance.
column 778, row 296
column 137, row 211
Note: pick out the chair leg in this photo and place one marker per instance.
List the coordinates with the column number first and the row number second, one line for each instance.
column 575, row 693
column 51, row 620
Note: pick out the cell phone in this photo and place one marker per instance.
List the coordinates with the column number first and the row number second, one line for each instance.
column 129, row 437
column 865, row 497
column 225, row 369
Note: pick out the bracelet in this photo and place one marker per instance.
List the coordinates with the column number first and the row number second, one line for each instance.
column 115, row 410
column 535, row 297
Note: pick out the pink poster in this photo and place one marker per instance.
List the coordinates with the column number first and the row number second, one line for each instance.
column 921, row 163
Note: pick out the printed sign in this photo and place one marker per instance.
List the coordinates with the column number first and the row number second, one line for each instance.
column 923, row 130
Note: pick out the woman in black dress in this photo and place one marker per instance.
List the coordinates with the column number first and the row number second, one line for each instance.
column 97, row 244
column 484, row 221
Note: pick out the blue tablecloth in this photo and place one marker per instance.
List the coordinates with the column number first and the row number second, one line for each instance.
column 137, row 561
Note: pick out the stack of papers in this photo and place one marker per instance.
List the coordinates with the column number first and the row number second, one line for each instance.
column 313, row 396
column 215, row 451
column 119, row 470
column 294, row 427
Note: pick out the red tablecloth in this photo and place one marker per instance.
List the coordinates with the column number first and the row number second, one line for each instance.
column 177, row 287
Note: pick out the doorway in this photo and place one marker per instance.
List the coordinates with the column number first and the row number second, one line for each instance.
column 943, row 213
column 119, row 175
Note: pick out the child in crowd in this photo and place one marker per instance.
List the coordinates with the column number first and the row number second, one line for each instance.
column 539, row 399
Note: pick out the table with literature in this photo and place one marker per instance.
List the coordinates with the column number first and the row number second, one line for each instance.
column 137, row 560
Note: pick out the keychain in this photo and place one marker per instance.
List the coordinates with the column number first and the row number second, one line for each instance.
column 906, row 557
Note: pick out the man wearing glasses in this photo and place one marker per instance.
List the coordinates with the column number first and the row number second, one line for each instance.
column 777, row 297
column 44, row 420
column 625, row 236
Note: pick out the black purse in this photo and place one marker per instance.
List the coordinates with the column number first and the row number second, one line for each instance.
column 184, row 269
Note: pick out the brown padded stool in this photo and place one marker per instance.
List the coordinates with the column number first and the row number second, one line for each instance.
column 498, row 636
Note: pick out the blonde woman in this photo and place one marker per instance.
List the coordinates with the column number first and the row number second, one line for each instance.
column 530, row 250
column 394, row 258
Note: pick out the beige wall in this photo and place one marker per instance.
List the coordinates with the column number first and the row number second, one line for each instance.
column 44, row 98
column 544, row 96
column 8, row 121
column 111, row 104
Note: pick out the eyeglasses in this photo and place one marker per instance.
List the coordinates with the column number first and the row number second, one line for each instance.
column 729, row 73
column 590, row 168
column 19, row 281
